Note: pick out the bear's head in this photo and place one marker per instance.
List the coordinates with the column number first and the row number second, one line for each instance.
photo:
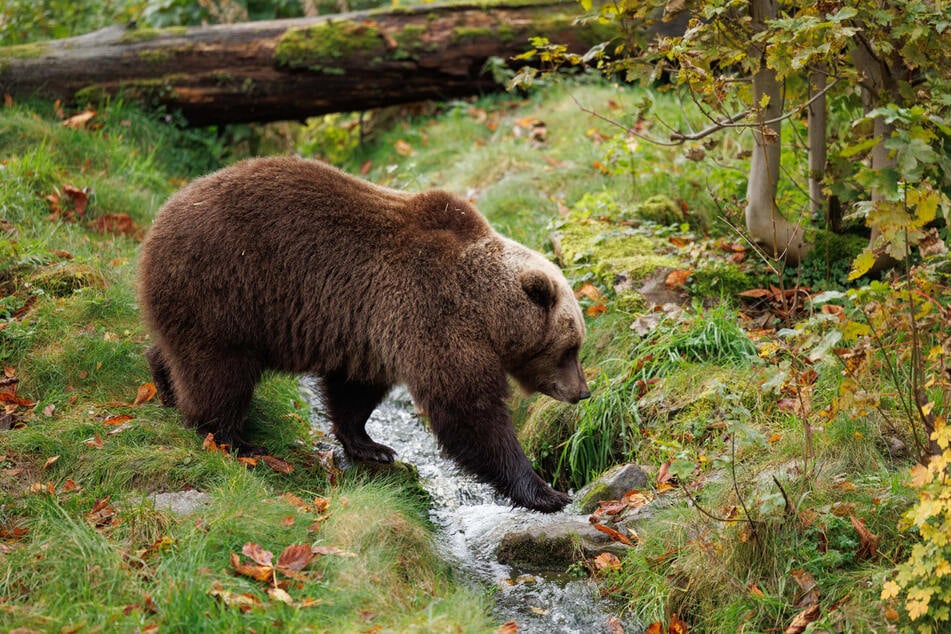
column 552, row 330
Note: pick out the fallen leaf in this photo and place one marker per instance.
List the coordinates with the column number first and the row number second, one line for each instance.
column 49, row 462
column 69, row 486
column 118, row 419
column 144, row 394
column 607, row 561
column 244, row 601
column 288, row 521
column 756, row 293
column 655, row 628
column 79, row 121
column 121, row 224
column 281, row 466
column 295, row 557
column 49, row 409
column 803, row 619
column 258, row 572
column 590, row 291
column 102, row 513
column 403, row 148
column 595, row 309
column 95, row 441
column 677, row 278
column 9, row 371
column 868, row 541
column 509, row 627
column 366, row 167
column 613, row 534
column 676, row 626
column 248, row 462
column 257, row 554
column 809, row 594
column 78, row 198
column 280, row 595
column 12, row 399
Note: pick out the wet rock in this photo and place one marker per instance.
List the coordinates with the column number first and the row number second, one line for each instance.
column 180, row 502
column 555, row 546
column 612, row 486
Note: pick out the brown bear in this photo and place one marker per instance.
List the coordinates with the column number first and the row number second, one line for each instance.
column 293, row 265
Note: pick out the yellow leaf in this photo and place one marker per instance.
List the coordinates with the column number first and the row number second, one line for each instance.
column 862, row 264
column 890, row 590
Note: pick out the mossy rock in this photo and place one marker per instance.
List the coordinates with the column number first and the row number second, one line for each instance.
column 61, row 280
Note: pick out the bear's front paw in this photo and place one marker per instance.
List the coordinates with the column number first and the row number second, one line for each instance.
column 538, row 496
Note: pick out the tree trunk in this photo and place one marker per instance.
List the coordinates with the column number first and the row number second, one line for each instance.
column 768, row 228
column 817, row 145
column 878, row 87
column 291, row 69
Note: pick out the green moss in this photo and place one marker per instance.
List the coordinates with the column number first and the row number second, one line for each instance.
column 610, row 249
column 144, row 35
column 719, row 279
column 315, row 46
column 155, row 55
column 63, row 279
column 23, row 51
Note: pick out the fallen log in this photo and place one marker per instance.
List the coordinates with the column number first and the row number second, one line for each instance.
column 291, row 69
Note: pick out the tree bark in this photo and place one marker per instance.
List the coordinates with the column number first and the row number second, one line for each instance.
column 768, row 228
column 817, row 145
column 291, row 69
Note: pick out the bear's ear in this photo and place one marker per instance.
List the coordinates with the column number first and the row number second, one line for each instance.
column 539, row 288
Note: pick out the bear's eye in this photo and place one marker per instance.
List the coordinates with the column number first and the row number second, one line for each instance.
column 569, row 356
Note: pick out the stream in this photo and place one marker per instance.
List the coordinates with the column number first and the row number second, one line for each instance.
column 472, row 519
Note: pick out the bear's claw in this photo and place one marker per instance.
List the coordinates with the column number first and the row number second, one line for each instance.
column 369, row 452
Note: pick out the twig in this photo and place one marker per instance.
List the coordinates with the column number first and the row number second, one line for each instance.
column 789, row 508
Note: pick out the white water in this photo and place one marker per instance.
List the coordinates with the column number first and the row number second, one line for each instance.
column 472, row 520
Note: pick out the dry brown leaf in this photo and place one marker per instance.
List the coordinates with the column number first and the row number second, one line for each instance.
column 677, row 278
column 248, row 462
column 258, row 572
column 607, row 561
column 590, row 291
column 9, row 371
column 95, row 441
column 118, row 419
column 144, row 394
column 244, row 601
column 403, row 148
column 281, row 466
column 613, row 534
column 280, row 595
column 803, row 619
column 868, row 546
column 596, row 309
column 49, row 462
column 655, row 628
column 120, row 224
column 676, row 626
column 509, row 627
column 12, row 399
column 295, row 557
column 79, row 121
column 257, row 554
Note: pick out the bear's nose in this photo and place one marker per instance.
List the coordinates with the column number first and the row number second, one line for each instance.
column 585, row 393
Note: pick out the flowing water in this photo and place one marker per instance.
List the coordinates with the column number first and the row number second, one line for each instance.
column 472, row 519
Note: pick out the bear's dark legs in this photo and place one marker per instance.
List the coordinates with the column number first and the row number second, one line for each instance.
column 213, row 393
column 481, row 439
column 160, row 376
column 349, row 405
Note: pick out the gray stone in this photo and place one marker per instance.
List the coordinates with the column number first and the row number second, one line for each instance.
column 555, row 546
column 612, row 486
column 180, row 502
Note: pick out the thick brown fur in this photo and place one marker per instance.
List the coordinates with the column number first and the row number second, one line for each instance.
column 293, row 265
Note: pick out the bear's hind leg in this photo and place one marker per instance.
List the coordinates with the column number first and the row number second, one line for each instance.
column 349, row 404
column 213, row 394
column 160, row 375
